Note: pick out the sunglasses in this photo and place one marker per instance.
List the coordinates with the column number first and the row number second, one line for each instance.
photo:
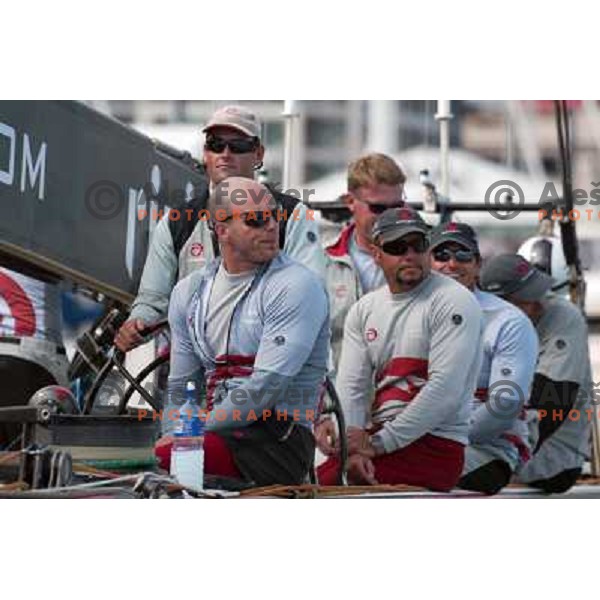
column 236, row 145
column 376, row 208
column 255, row 219
column 444, row 255
column 400, row 247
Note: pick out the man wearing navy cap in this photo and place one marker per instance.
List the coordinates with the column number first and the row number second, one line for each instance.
column 499, row 441
column 408, row 366
column 562, row 386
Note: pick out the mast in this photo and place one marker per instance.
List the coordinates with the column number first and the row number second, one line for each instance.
column 290, row 115
column 443, row 116
column 382, row 126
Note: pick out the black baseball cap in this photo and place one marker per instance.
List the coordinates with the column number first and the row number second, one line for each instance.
column 395, row 223
column 512, row 275
column 460, row 233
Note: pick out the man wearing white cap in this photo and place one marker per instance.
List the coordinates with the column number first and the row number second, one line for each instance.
column 232, row 149
column 561, row 391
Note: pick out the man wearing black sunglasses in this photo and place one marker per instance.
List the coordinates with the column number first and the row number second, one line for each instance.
column 499, row 440
column 232, row 149
column 255, row 324
column 408, row 367
column 375, row 183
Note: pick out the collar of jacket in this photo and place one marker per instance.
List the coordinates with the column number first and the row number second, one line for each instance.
column 341, row 246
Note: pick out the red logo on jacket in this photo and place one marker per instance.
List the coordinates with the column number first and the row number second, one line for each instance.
column 196, row 250
column 371, row 334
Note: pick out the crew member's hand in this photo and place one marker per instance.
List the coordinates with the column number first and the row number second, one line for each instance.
column 325, row 436
column 359, row 442
column 128, row 336
column 361, row 470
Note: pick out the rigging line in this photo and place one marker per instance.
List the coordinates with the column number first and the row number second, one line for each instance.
column 561, row 143
column 568, row 148
column 567, row 226
column 567, row 152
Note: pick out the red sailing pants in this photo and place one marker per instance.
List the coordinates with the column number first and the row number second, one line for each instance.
column 432, row 462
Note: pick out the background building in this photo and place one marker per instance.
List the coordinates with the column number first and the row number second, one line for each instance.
column 330, row 133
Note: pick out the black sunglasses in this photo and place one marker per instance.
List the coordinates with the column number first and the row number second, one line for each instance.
column 255, row 219
column 236, row 145
column 376, row 208
column 400, row 247
column 444, row 255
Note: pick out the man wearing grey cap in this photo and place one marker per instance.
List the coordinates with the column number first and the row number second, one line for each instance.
column 561, row 391
column 408, row 367
column 499, row 440
column 232, row 148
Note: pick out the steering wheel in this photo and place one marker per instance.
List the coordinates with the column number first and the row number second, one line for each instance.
column 97, row 354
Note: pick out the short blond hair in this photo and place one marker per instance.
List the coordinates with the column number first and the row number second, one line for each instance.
column 374, row 169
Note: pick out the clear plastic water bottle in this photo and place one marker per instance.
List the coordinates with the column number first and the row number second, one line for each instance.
column 187, row 455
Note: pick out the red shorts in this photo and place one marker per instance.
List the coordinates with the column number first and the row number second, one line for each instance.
column 431, row 462
column 218, row 459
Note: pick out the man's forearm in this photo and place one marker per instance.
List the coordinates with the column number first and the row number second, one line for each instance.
column 158, row 278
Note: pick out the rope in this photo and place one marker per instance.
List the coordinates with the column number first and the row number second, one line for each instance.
column 14, row 486
column 83, row 469
column 316, row 491
column 9, row 456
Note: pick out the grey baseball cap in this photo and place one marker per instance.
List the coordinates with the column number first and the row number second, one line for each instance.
column 512, row 275
column 395, row 223
column 236, row 117
column 460, row 233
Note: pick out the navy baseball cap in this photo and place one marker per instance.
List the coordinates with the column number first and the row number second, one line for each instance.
column 460, row 233
column 395, row 223
column 512, row 275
